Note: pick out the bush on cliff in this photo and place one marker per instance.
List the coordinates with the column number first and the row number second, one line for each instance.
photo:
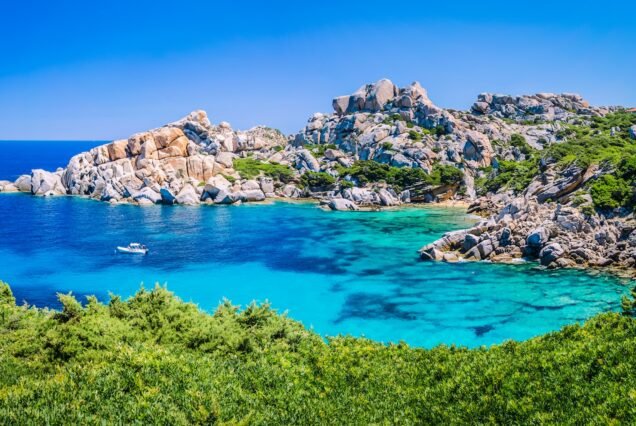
column 156, row 360
column 446, row 175
column 595, row 143
column 366, row 171
column 610, row 192
column 319, row 180
column 519, row 142
column 249, row 168
column 604, row 141
column 515, row 175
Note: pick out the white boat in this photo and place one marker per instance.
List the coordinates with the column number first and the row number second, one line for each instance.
column 133, row 248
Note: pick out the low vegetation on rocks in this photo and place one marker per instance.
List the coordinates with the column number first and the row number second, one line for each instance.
column 250, row 168
column 154, row 359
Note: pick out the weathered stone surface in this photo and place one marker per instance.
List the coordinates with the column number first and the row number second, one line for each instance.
column 46, row 183
column 249, row 185
column 167, row 196
column 147, row 194
column 6, row 186
column 23, row 183
column 538, row 237
column 387, row 199
column 224, row 196
column 307, row 161
column 290, row 191
column 550, row 253
column 187, row 196
column 225, row 158
column 117, row 150
column 267, row 185
column 251, row 195
column 342, row 204
column 215, row 185
column 469, row 242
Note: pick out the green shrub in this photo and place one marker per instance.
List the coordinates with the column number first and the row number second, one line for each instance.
column 593, row 144
column 365, row 171
column 439, row 130
column 407, row 176
column 317, row 180
column 519, row 142
column 154, row 359
column 344, row 184
column 446, row 175
column 6, row 295
column 610, row 192
column 515, row 175
column 588, row 209
column 415, row 135
column 387, row 146
column 249, row 168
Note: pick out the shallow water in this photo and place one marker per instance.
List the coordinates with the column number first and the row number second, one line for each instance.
column 338, row 272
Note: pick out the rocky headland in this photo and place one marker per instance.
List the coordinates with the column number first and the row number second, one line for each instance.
column 551, row 174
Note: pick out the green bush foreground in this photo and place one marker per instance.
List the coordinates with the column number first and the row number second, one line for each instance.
column 154, row 359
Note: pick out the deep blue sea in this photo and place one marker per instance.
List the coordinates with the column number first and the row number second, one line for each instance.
column 339, row 272
column 19, row 157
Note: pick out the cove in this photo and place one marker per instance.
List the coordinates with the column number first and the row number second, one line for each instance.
column 339, row 272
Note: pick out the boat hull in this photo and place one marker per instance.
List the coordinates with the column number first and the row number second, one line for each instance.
column 126, row 250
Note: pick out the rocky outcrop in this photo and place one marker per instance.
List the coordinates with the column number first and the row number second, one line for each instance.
column 7, row 186
column 554, row 234
column 539, row 107
column 170, row 165
column 191, row 161
column 47, row 183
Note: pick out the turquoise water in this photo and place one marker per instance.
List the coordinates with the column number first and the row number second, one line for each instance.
column 338, row 272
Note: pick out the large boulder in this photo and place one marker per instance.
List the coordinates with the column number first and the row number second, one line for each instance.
column 117, row 150
column 550, row 253
column 167, row 197
column 23, row 183
column 387, row 199
column 342, row 204
column 570, row 180
column 6, row 186
column 46, row 183
column 290, row 191
column 224, row 196
column 267, row 185
column 147, row 194
column 226, row 159
column 215, row 185
column 251, row 195
column 632, row 132
column 371, row 97
column 307, row 161
column 250, row 185
column 187, row 196
column 538, row 237
column 200, row 167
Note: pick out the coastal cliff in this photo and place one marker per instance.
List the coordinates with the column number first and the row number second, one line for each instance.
column 552, row 174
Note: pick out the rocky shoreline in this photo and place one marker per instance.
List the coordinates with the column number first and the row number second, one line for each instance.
column 383, row 146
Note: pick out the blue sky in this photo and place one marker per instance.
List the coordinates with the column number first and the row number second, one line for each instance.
column 104, row 70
